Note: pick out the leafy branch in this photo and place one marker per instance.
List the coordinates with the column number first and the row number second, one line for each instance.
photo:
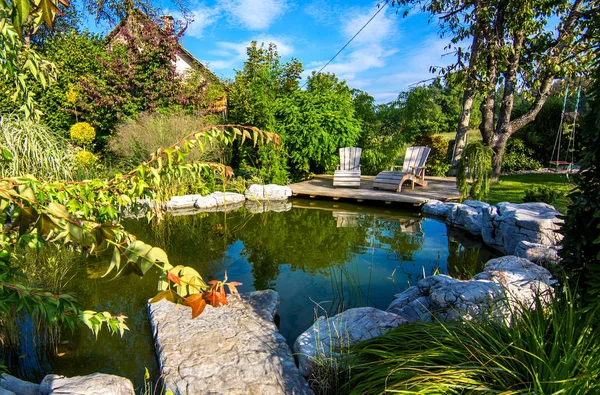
column 85, row 215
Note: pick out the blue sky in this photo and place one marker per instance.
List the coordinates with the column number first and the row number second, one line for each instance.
column 389, row 55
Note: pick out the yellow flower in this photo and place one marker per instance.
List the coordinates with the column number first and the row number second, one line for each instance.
column 72, row 94
column 85, row 158
column 82, row 133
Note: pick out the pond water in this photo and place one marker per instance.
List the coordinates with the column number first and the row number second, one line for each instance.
column 321, row 257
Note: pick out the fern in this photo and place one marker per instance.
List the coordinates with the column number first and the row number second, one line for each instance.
column 476, row 165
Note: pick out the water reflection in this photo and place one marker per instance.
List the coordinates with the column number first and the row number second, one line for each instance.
column 321, row 257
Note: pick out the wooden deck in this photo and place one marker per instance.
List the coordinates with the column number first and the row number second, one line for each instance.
column 439, row 188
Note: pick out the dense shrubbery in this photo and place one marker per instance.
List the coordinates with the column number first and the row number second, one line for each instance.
column 519, row 157
column 580, row 251
column 136, row 139
column 474, row 171
column 542, row 193
column 437, row 162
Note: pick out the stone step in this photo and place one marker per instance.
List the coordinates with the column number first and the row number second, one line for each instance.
column 235, row 349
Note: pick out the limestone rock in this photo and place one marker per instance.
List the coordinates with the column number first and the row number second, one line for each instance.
column 93, row 384
column 507, row 224
column 6, row 392
column 216, row 201
column 184, row 201
column 537, row 252
column 234, row 349
column 267, row 192
column 437, row 208
column 489, row 295
column 227, row 198
column 328, row 336
column 18, row 386
column 467, row 216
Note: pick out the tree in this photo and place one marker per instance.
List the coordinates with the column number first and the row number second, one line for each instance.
column 513, row 44
column 316, row 122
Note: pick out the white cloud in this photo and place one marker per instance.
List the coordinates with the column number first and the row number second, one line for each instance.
column 235, row 52
column 202, row 17
column 254, row 14
column 369, row 50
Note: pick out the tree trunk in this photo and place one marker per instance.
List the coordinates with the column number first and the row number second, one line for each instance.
column 499, row 147
column 462, row 131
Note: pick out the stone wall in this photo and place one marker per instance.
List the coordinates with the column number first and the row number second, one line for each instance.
column 528, row 230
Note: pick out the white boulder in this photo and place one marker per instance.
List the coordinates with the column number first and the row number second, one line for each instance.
column 327, row 337
column 267, row 192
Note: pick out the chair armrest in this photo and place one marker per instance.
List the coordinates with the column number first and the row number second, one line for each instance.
column 338, row 167
column 392, row 167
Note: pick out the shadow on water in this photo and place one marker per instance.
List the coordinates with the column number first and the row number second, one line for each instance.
column 320, row 256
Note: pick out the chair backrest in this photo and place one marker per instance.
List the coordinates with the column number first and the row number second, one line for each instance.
column 415, row 157
column 350, row 158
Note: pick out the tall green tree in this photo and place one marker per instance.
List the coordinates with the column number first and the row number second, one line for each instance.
column 513, row 45
column 316, row 122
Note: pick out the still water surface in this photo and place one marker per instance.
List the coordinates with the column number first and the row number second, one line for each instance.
column 321, row 257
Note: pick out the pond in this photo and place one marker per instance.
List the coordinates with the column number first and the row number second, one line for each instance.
column 321, row 257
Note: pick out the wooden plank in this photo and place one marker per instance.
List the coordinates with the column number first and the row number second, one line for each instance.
column 439, row 188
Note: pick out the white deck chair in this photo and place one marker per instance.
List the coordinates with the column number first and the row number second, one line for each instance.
column 413, row 170
column 348, row 172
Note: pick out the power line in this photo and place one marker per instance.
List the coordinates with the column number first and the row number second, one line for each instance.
column 349, row 41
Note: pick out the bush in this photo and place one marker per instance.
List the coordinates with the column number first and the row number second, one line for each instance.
column 580, row 248
column 82, row 133
column 519, row 157
column 476, row 165
column 35, row 149
column 85, row 159
column 543, row 350
column 437, row 163
column 542, row 193
column 137, row 139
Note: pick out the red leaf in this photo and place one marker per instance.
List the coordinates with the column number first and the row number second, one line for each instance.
column 197, row 303
column 174, row 278
column 213, row 282
column 212, row 298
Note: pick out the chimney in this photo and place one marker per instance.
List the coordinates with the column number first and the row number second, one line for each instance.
column 168, row 24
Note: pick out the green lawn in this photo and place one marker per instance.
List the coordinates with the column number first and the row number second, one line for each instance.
column 474, row 135
column 511, row 188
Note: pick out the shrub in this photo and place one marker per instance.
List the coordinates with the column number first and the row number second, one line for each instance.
column 519, row 157
column 542, row 193
column 82, row 133
column 547, row 350
column 476, row 164
column 35, row 150
column 137, row 139
column 437, row 163
column 85, row 158
column 580, row 247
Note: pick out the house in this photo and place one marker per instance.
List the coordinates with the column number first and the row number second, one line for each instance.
column 184, row 61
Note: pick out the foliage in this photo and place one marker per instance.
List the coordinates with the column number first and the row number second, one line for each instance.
column 381, row 138
column 518, row 45
column 580, row 251
column 82, row 133
column 22, row 66
column 33, row 149
column 136, row 139
column 83, row 216
column 315, row 123
column 476, row 166
column 85, row 158
column 542, row 193
column 252, row 97
column 75, row 55
column 437, row 162
column 519, row 157
column 543, row 351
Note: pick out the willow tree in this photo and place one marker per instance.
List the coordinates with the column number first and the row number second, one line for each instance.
column 516, row 46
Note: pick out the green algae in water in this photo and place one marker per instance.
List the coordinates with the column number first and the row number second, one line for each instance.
column 321, row 257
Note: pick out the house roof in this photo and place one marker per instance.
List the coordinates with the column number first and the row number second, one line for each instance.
column 140, row 14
